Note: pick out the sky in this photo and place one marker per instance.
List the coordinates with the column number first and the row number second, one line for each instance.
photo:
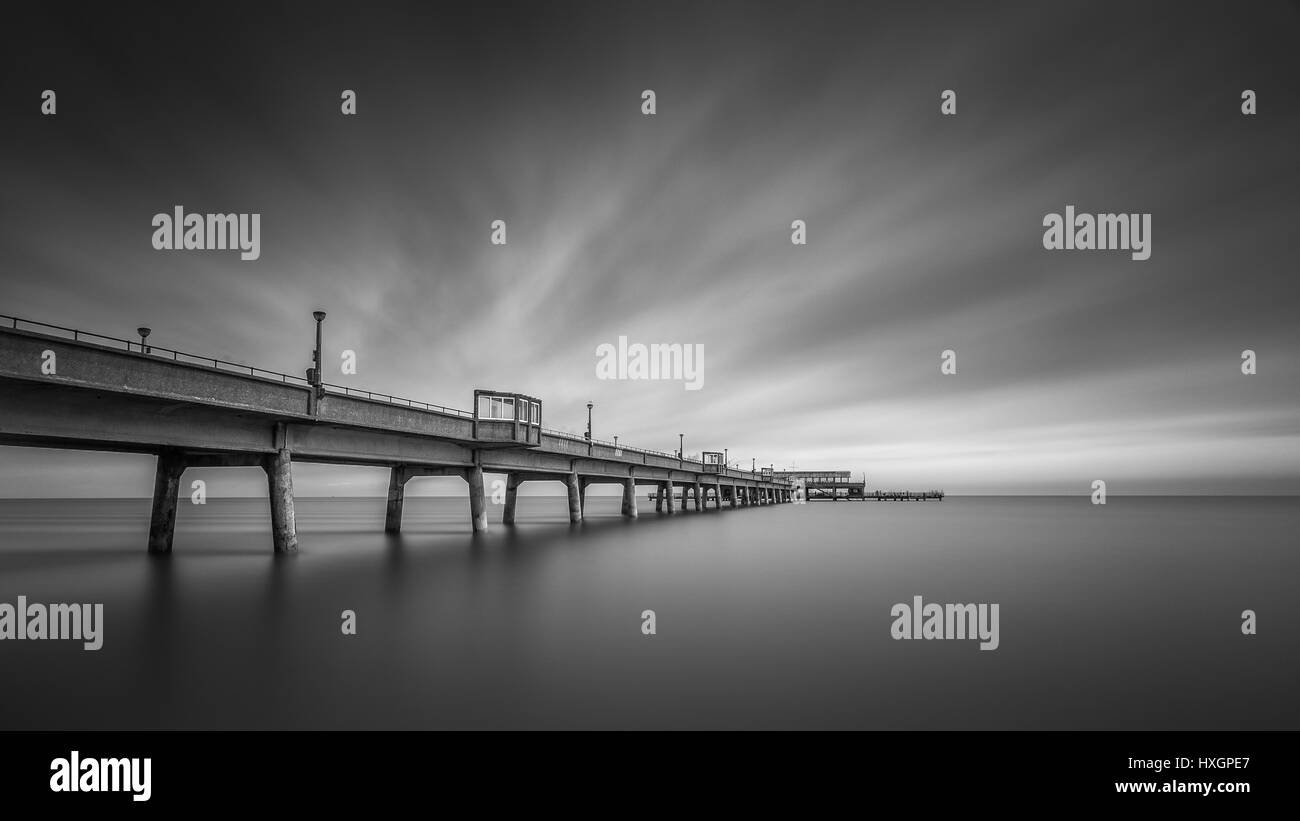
column 924, row 231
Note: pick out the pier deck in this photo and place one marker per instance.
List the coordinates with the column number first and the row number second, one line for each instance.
column 64, row 388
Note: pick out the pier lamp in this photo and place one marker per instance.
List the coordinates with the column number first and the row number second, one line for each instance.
column 316, row 355
column 589, row 407
column 616, row 441
column 681, row 447
column 144, row 334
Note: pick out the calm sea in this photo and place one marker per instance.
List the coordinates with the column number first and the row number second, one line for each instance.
column 1122, row 616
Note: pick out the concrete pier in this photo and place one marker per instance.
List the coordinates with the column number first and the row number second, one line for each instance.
column 477, row 499
column 512, row 497
column 166, row 488
column 575, row 498
column 396, row 498
column 629, row 497
column 192, row 412
column 279, row 481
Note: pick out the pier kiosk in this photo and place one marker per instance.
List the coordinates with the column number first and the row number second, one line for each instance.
column 512, row 418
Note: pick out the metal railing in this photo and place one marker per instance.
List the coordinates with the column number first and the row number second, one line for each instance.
column 147, row 349
column 688, row 463
column 395, row 400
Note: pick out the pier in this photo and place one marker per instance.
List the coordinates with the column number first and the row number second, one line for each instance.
column 66, row 388
column 837, row 485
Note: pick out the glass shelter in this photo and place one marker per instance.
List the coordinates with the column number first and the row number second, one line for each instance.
column 512, row 418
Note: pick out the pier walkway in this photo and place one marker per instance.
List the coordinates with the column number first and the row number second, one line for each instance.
column 64, row 388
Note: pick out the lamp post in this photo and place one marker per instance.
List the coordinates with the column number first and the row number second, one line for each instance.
column 681, row 450
column 144, row 334
column 314, row 374
column 616, row 441
column 316, row 354
column 726, row 466
column 589, row 407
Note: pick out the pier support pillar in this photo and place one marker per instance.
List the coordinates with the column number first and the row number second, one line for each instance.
column 659, row 497
column 279, row 481
column 629, row 497
column 477, row 499
column 575, row 498
column 397, row 477
column 733, row 496
column 166, row 487
column 583, row 484
column 699, row 502
column 512, row 496
column 668, row 494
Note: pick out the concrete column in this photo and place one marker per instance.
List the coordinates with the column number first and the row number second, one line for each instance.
column 396, row 498
column 575, row 498
column 477, row 499
column 279, row 480
column 733, row 496
column 697, row 490
column 629, row 497
column 512, row 496
column 668, row 491
column 166, row 487
column 659, row 497
column 583, row 484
